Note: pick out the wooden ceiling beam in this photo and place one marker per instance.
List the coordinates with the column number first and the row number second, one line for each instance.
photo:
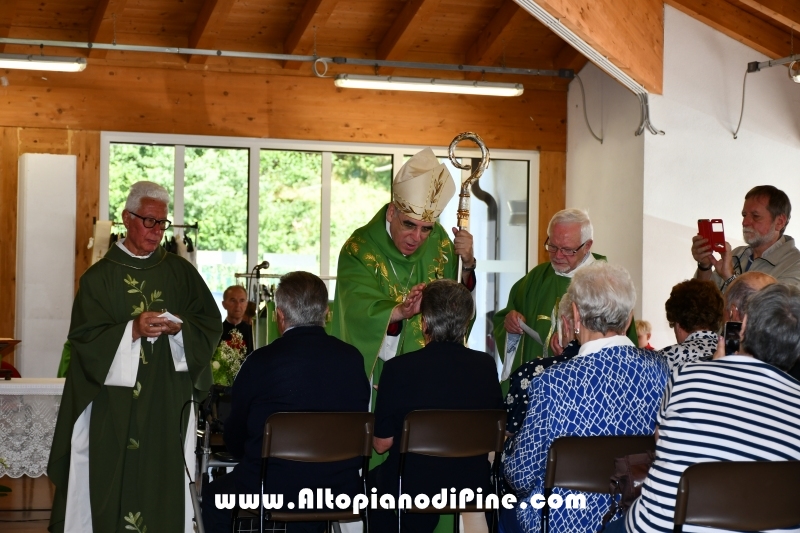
column 489, row 45
column 206, row 29
column 101, row 29
column 405, row 30
column 737, row 24
column 630, row 33
column 7, row 11
column 301, row 39
column 569, row 57
column 787, row 12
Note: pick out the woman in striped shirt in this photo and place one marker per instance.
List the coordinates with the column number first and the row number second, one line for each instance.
column 742, row 407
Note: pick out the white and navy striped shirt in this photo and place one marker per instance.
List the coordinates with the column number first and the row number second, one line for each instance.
column 732, row 409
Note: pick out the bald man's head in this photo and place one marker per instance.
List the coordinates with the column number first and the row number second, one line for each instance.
column 743, row 287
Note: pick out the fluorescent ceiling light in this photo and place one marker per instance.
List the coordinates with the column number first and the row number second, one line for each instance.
column 34, row 62
column 428, row 85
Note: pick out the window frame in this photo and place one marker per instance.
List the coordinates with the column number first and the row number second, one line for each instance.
column 327, row 149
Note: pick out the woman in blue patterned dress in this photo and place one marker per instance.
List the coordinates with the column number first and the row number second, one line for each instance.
column 610, row 388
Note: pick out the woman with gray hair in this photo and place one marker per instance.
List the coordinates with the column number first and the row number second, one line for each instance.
column 610, row 388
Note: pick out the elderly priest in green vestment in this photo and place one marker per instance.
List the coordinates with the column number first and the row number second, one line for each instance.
column 384, row 265
column 144, row 327
column 534, row 299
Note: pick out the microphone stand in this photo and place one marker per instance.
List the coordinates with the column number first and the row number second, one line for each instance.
column 257, row 270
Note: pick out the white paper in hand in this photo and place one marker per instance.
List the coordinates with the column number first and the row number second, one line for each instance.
column 532, row 334
column 172, row 318
column 169, row 316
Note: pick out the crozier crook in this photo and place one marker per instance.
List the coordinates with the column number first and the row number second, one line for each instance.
column 463, row 196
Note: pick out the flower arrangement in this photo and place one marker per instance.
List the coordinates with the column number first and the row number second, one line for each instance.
column 228, row 359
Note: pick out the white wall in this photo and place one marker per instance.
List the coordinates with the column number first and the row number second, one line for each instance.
column 697, row 170
column 606, row 178
column 46, row 208
column 645, row 194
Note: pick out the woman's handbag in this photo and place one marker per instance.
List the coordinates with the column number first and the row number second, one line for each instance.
column 629, row 475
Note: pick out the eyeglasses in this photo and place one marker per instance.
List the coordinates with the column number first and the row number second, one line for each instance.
column 150, row 222
column 564, row 251
column 408, row 226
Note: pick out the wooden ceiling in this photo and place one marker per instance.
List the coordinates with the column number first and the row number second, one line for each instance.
column 765, row 25
column 475, row 32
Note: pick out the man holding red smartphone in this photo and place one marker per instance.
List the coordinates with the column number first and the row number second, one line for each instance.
column 765, row 214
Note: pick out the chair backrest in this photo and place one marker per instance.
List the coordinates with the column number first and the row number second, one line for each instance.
column 586, row 464
column 749, row 496
column 318, row 437
column 453, row 433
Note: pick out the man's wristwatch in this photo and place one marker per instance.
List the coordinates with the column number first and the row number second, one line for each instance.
column 703, row 268
column 465, row 268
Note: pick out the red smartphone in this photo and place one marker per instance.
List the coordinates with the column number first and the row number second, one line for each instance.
column 713, row 231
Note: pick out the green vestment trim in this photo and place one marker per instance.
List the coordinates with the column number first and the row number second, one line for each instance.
column 136, row 472
column 373, row 277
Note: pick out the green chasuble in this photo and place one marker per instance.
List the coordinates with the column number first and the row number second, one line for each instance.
column 136, row 470
column 373, row 277
column 536, row 297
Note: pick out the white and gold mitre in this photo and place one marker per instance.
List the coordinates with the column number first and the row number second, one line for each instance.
column 423, row 187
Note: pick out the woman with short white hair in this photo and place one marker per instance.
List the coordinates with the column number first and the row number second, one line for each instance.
column 610, row 388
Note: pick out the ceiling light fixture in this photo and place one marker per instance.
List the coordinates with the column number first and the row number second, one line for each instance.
column 792, row 61
column 428, row 85
column 34, row 62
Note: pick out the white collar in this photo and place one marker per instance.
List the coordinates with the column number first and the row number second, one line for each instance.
column 122, row 247
column 588, row 260
column 606, row 342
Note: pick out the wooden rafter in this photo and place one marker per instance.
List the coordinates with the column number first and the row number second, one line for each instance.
column 101, row 29
column 490, row 44
column 737, row 24
column 787, row 12
column 569, row 57
column 630, row 33
column 404, row 31
column 7, row 10
column 301, row 39
column 206, row 29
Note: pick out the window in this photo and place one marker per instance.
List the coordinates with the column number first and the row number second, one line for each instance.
column 294, row 203
column 215, row 197
column 289, row 209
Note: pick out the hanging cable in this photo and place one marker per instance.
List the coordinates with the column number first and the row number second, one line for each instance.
column 741, row 113
column 585, row 115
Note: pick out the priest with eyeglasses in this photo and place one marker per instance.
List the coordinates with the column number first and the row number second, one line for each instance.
column 533, row 300
column 144, row 327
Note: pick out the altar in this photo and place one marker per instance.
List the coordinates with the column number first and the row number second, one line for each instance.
column 28, row 413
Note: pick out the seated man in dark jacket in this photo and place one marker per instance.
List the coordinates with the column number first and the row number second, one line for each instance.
column 303, row 370
column 442, row 375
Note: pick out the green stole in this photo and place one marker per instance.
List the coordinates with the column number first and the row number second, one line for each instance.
column 136, row 472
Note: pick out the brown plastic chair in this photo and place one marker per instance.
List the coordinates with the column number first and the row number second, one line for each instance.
column 453, row 433
column 745, row 496
column 586, row 464
column 314, row 438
